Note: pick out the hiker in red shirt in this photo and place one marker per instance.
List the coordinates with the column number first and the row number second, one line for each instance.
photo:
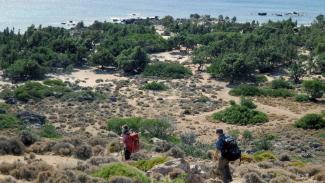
column 131, row 142
column 125, row 136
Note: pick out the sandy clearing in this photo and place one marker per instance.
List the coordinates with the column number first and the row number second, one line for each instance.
column 88, row 77
column 173, row 56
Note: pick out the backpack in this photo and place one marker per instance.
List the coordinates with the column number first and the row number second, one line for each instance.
column 132, row 142
column 230, row 150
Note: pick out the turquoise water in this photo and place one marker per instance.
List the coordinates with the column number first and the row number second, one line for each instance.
column 22, row 13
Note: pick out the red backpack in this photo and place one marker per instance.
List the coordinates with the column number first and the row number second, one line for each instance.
column 132, row 142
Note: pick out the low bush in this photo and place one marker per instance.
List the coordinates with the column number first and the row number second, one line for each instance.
column 115, row 146
column 83, row 152
column 281, row 84
column 263, row 155
column 264, row 143
column 260, row 79
column 121, row 169
column 27, row 137
column 245, row 90
column 247, row 102
column 37, row 91
column 176, row 152
column 281, row 92
column 57, row 88
column 188, row 138
column 49, row 131
column 11, row 146
column 251, row 90
column 247, row 135
column 301, row 98
column 167, row 70
column 240, row 114
column 198, row 150
column 116, row 124
column 311, row 121
column 8, row 121
column 159, row 128
column 83, row 95
column 54, row 82
column 63, row 148
column 156, row 86
column 315, row 88
column 146, row 165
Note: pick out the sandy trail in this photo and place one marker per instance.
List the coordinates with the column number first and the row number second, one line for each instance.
column 56, row 161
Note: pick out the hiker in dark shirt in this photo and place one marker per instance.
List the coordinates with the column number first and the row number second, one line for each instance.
column 223, row 163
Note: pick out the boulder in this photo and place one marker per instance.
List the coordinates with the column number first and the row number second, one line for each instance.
column 170, row 166
column 30, row 118
column 11, row 100
column 161, row 145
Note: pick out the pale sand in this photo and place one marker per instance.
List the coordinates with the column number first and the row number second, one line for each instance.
column 88, row 77
column 174, row 56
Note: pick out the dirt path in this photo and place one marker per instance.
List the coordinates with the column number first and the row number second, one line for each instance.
column 56, row 161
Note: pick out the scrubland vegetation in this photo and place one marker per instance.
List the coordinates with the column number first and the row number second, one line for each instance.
column 275, row 70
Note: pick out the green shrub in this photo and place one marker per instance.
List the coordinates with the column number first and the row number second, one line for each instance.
column 133, row 60
column 188, row 138
column 263, row 155
column 146, row 165
column 37, row 91
column 197, row 150
column 250, row 90
column 315, row 88
column 83, row 95
column 245, row 90
column 149, row 127
column 54, row 82
column 167, row 70
column 281, row 84
column 247, row 102
column 155, row 127
column 239, row 114
column 301, row 98
column 247, row 135
column 121, row 169
column 263, row 144
column 31, row 90
column 49, row 131
column 277, row 92
column 311, row 121
column 8, row 121
column 154, row 86
column 23, row 70
column 116, row 124
column 260, row 79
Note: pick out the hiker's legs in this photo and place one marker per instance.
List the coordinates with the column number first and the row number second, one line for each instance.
column 127, row 154
column 228, row 173
column 224, row 170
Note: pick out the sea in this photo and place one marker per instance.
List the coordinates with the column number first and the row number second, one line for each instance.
column 20, row 14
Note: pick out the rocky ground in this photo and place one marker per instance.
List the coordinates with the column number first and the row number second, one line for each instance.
column 188, row 103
